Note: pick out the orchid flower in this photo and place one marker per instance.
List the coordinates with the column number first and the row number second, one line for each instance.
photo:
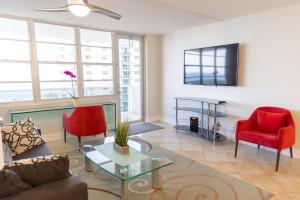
column 72, row 76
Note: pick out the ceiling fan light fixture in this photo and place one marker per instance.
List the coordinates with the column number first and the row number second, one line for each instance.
column 79, row 10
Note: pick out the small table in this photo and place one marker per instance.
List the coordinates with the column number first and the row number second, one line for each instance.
column 125, row 167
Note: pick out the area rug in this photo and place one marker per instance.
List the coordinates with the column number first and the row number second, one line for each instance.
column 183, row 180
column 143, row 128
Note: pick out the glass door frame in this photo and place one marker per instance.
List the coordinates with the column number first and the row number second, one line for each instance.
column 117, row 74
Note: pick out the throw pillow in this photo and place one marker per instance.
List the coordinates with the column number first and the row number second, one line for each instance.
column 270, row 122
column 41, row 170
column 21, row 136
column 11, row 183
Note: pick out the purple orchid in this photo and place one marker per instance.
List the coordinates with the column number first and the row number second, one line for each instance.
column 72, row 76
column 68, row 73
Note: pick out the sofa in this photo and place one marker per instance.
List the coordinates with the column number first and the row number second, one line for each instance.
column 62, row 186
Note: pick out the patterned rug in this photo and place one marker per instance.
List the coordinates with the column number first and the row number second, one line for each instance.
column 183, row 180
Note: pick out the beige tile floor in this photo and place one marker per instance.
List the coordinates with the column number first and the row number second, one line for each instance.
column 252, row 165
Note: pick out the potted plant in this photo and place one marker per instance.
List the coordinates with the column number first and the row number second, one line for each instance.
column 76, row 100
column 121, row 138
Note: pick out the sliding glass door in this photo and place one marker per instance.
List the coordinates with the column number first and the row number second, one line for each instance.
column 130, row 78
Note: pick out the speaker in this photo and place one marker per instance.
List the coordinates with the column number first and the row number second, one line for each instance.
column 194, row 121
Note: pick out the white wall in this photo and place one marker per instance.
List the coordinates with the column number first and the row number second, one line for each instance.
column 269, row 71
column 153, row 54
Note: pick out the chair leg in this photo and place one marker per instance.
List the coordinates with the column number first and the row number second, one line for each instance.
column 79, row 140
column 65, row 136
column 236, row 147
column 258, row 146
column 291, row 152
column 277, row 160
column 104, row 134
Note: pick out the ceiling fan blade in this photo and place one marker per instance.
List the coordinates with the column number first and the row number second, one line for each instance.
column 105, row 12
column 59, row 9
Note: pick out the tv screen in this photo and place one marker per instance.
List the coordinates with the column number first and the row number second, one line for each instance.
column 216, row 65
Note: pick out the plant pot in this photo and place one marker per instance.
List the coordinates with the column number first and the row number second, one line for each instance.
column 76, row 101
column 121, row 149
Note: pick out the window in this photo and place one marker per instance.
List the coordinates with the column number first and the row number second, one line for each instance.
column 96, row 50
column 126, row 81
column 55, row 54
column 34, row 56
column 124, row 99
column 15, row 76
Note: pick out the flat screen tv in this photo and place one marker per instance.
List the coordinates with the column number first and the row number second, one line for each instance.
column 216, row 65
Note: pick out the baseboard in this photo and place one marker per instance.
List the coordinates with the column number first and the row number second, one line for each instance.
column 168, row 121
column 296, row 153
column 285, row 152
column 59, row 136
column 153, row 118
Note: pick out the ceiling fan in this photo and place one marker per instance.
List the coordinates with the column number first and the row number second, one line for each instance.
column 81, row 8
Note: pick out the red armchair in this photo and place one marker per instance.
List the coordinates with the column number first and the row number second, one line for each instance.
column 268, row 126
column 85, row 121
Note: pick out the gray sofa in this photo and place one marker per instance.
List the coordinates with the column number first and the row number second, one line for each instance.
column 70, row 188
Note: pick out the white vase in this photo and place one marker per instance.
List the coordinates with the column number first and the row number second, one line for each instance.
column 76, row 101
column 121, row 149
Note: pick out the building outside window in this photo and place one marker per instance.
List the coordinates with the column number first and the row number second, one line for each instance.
column 129, row 77
column 96, row 49
column 55, row 53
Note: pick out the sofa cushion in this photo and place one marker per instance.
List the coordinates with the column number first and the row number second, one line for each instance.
column 270, row 122
column 258, row 137
column 11, row 183
column 41, row 150
column 71, row 188
column 41, row 170
column 21, row 136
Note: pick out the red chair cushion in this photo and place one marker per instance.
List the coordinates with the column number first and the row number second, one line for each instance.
column 258, row 137
column 270, row 122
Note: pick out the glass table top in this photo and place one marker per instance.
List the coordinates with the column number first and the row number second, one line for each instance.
column 124, row 167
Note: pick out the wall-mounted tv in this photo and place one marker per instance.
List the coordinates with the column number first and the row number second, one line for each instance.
column 216, row 65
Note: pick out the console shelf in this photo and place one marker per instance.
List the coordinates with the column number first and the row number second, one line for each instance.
column 206, row 110
column 211, row 113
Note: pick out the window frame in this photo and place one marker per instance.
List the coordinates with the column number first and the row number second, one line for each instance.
column 37, row 62
column 33, row 62
column 82, row 63
column 37, row 102
column 29, row 61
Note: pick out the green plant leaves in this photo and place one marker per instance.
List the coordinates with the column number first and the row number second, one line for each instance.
column 121, row 136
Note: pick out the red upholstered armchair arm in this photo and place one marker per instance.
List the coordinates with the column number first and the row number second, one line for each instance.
column 243, row 125
column 286, row 137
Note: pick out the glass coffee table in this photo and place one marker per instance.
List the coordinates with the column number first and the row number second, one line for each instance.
column 125, row 167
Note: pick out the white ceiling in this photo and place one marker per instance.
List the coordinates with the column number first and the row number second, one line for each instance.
column 147, row 16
